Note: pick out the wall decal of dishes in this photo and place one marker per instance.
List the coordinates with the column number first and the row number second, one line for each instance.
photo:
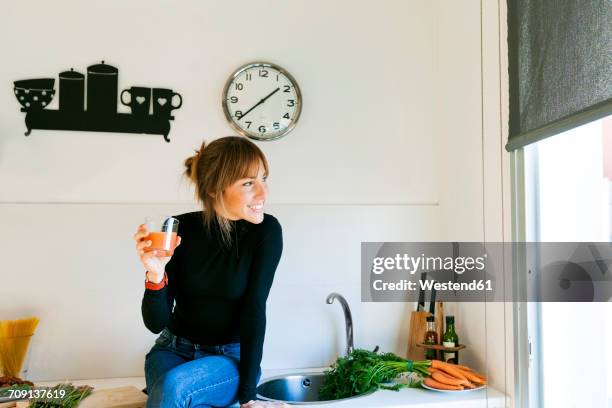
column 96, row 109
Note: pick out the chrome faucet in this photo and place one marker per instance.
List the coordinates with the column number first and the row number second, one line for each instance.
column 347, row 318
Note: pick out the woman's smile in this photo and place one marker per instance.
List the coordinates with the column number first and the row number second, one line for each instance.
column 256, row 208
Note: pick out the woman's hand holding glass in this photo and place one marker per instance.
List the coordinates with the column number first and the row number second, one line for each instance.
column 153, row 262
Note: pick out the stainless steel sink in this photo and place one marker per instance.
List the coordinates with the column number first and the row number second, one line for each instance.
column 296, row 389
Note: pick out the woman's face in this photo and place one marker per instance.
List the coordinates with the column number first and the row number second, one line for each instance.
column 246, row 197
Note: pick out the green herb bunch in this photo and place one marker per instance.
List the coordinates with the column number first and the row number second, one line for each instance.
column 6, row 391
column 363, row 370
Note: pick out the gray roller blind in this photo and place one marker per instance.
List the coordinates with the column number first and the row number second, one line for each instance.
column 560, row 66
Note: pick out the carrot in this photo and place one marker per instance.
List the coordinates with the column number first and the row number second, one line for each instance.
column 465, row 383
column 482, row 377
column 462, row 367
column 439, row 364
column 440, row 386
column 433, row 370
column 449, row 369
column 473, row 377
column 446, row 379
column 478, row 380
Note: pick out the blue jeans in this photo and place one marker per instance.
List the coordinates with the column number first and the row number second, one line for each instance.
column 180, row 373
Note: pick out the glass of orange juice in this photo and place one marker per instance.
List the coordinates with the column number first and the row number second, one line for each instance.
column 162, row 234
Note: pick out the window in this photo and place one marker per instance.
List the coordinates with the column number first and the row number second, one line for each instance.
column 568, row 193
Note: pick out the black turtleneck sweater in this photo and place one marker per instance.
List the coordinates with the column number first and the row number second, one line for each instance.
column 220, row 292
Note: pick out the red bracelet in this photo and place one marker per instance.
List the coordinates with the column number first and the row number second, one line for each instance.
column 156, row 286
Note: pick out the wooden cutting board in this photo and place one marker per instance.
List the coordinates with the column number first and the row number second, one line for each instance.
column 120, row 397
column 416, row 334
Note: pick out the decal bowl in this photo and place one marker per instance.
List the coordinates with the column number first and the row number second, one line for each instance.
column 34, row 94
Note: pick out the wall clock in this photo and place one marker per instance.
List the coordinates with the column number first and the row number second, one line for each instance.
column 262, row 101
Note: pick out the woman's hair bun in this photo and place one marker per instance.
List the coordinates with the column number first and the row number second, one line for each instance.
column 191, row 164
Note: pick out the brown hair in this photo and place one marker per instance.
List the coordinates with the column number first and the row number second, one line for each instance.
column 217, row 166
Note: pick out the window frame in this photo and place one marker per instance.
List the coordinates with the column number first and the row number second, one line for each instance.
column 526, row 315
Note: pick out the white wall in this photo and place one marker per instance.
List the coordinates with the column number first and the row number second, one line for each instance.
column 389, row 148
column 475, row 169
column 74, row 267
column 366, row 71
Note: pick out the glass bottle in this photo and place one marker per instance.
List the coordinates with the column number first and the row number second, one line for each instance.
column 450, row 339
column 431, row 337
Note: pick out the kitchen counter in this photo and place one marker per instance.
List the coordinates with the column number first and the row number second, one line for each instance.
column 406, row 397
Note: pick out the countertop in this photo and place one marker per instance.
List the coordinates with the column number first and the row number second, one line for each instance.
column 405, row 397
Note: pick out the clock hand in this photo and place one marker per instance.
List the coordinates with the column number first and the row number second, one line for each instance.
column 259, row 103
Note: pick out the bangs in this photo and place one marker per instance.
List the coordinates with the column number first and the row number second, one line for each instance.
column 243, row 161
column 249, row 167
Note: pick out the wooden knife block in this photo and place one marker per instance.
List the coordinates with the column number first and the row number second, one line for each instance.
column 416, row 334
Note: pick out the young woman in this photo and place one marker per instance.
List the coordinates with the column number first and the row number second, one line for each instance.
column 208, row 299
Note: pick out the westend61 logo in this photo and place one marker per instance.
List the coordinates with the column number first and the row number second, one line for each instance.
column 492, row 271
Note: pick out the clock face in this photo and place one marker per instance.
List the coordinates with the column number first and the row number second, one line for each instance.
column 262, row 101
